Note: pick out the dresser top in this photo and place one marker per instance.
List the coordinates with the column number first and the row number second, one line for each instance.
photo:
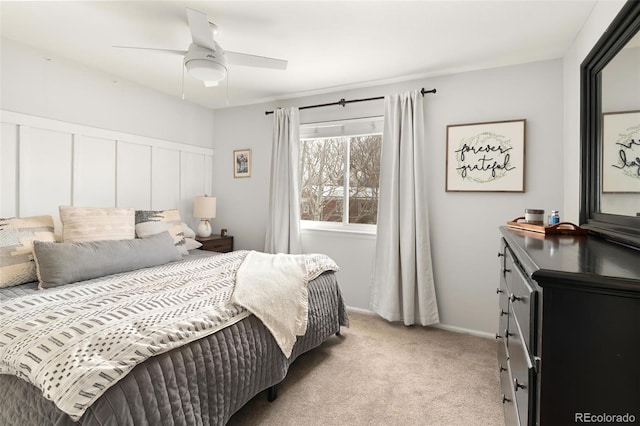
column 584, row 259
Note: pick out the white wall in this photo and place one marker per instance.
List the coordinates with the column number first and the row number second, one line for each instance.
column 79, row 116
column 601, row 16
column 47, row 163
column 64, row 90
column 464, row 226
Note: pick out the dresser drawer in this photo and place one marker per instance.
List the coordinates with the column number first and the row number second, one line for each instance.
column 502, row 359
column 509, row 406
column 508, row 401
column 522, row 299
column 522, row 375
column 503, row 310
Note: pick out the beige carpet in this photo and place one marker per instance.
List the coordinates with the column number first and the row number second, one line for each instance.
column 379, row 373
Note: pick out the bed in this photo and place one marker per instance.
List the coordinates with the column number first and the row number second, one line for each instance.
column 203, row 381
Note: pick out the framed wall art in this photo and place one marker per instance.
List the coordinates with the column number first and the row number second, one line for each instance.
column 486, row 156
column 242, row 163
column 621, row 151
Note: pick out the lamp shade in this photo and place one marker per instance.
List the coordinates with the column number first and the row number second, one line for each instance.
column 204, row 207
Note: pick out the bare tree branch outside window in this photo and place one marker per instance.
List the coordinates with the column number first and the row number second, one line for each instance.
column 324, row 187
column 364, row 176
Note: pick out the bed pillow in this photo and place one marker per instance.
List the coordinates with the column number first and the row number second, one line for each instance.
column 188, row 232
column 192, row 244
column 96, row 223
column 150, row 222
column 63, row 263
column 16, row 247
column 190, row 238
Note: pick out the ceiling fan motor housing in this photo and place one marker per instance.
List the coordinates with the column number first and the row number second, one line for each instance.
column 206, row 64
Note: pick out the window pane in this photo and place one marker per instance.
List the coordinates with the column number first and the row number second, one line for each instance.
column 322, row 179
column 364, row 175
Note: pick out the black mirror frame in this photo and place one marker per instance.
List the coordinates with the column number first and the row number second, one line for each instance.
column 623, row 229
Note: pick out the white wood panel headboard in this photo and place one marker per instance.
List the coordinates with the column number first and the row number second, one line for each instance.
column 46, row 163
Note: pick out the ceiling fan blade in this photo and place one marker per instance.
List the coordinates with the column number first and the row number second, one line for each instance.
column 153, row 49
column 201, row 32
column 246, row 60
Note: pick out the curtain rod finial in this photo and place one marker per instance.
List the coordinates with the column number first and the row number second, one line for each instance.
column 427, row 91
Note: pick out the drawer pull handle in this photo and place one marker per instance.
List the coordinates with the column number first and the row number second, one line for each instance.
column 518, row 385
column 507, row 334
column 505, row 399
column 498, row 291
column 513, row 297
column 503, row 312
column 505, row 270
column 498, row 336
column 500, row 254
column 502, row 368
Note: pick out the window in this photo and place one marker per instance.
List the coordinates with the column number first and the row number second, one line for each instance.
column 340, row 170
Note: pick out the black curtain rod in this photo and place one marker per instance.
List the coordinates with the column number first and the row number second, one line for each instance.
column 343, row 102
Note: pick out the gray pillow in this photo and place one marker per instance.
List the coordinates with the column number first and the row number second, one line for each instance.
column 63, row 263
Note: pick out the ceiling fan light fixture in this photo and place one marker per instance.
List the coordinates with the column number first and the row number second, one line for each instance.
column 207, row 65
column 206, row 70
column 205, row 60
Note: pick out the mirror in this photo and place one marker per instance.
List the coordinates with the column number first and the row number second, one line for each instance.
column 620, row 140
column 610, row 131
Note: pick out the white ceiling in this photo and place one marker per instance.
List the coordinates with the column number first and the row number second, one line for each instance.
column 330, row 45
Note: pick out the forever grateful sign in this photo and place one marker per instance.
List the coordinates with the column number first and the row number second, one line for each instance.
column 486, row 156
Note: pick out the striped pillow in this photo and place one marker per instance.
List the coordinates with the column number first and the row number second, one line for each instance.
column 16, row 247
column 96, row 223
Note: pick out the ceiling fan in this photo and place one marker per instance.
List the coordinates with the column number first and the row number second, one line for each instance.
column 205, row 59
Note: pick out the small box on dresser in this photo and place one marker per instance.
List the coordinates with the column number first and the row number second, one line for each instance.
column 216, row 243
column 569, row 329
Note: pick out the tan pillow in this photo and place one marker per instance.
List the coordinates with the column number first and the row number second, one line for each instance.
column 16, row 247
column 97, row 223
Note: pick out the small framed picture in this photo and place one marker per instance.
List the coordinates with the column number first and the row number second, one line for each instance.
column 242, row 163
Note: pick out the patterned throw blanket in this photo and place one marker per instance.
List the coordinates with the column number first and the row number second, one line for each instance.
column 75, row 342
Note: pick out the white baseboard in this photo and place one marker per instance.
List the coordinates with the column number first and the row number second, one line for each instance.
column 361, row 311
column 462, row 330
column 453, row 328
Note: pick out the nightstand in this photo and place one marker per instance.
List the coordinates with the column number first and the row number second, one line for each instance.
column 216, row 243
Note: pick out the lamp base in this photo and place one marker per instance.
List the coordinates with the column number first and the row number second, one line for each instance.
column 204, row 229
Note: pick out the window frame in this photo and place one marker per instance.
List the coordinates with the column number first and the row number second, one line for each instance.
column 344, row 226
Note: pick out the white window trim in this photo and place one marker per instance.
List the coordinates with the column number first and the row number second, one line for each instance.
column 345, row 226
column 352, row 228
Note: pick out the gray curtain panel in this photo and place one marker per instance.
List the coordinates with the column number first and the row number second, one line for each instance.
column 283, row 216
column 403, row 288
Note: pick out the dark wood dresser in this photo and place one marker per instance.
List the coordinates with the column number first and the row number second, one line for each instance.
column 216, row 243
column 569, row 330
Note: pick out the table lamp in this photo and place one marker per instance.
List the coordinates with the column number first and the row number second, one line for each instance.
column 204, row 208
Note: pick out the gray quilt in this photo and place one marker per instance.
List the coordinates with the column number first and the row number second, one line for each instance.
column 203, row 382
